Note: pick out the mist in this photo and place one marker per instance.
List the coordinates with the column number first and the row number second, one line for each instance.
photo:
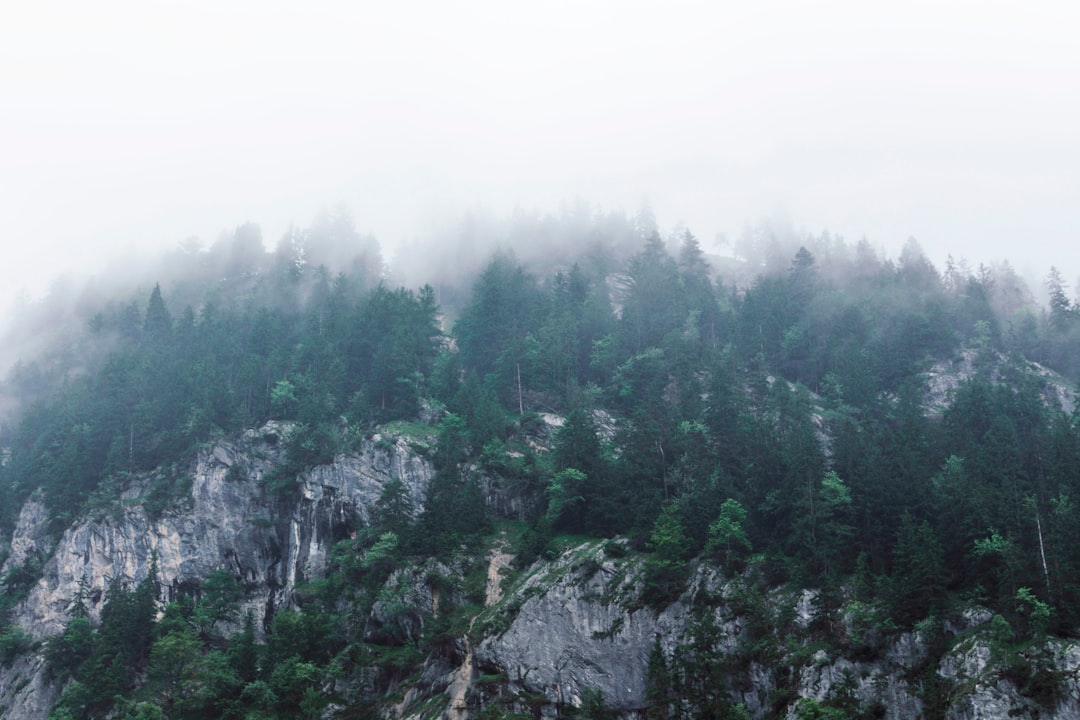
column 129, row 131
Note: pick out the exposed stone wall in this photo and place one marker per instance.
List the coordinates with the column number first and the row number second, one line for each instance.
column 268, row 544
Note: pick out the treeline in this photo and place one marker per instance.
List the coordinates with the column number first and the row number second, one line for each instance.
column 277, row 337
column 790, row 419
column 784, row 421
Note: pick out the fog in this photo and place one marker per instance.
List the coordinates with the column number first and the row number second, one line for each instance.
column 128, row 128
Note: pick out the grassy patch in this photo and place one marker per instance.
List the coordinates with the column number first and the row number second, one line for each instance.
column 398, row 657
column 420, row 436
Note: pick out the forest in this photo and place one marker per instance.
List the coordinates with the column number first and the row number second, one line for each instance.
column 801, row 408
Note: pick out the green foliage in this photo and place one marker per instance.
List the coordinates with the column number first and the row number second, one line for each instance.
column 307, row 635
column 221, row 596
column 168, row 490
column 790, row 405
column 66, row 652
column 1029, row 663
column 129, row 710
column 382, row 553
column 992, row 545
column 1036, row 611
column 283, row 398
column 174, row 661
column 496, row 333
column 14, row 641
column 393, row 510
column 918, row 572
column 106, row 663
column 1001, row 634
column 454, row 508
column 295, row 686
column 153, row 389
column 833, row 531
column 808, row 709
column 566, row 500
column 665, row 570
column 726, row 532
column 659, row 688
column 668, row 540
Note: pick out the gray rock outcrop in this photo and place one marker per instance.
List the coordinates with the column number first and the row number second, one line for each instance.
column 269, row 543
column 551, row 637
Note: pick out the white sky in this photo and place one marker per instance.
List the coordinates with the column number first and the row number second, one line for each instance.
column 134, row 125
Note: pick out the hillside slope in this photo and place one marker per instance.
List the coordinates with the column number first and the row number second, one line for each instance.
column 573, row 633
column 815, row 483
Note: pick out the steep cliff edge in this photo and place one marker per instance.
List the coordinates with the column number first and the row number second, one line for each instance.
column 572, row 634
column 229, row 521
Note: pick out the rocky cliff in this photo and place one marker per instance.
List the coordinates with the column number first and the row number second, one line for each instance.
column 228, row 520
column 572, row 631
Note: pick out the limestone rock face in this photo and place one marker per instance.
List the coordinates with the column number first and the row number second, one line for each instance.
column 869, row 683
column 545, row 639
column 333, row 497
column 24, row 692
column 945, row 377
column 989, row 693
column 572, row 634
column 576, row 626
column 30, row 542
column 411, row 597
column 268, row 542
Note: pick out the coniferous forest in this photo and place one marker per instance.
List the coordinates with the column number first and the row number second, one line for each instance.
column 804, row 410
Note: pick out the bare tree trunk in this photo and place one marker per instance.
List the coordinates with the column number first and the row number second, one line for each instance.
column 521, row 401
column 1042, row 552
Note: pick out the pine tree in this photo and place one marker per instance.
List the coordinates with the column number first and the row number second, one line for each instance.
column 157, row 325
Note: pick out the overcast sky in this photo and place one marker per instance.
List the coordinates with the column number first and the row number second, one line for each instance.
column 134, row 125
